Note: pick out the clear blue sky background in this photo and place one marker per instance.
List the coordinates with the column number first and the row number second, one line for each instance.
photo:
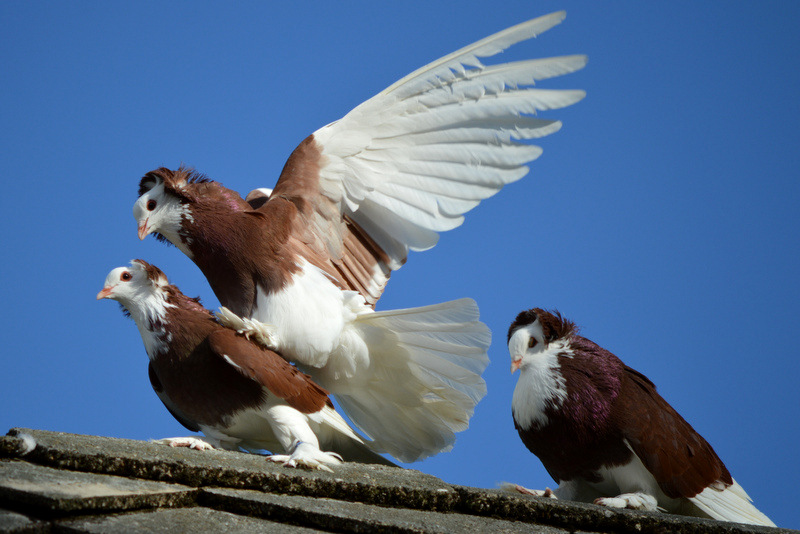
column 663, row 217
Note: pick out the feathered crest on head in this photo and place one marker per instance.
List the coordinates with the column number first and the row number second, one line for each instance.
column 153, row 273
column 173, row 294
column 174, row 181
column 554, row 326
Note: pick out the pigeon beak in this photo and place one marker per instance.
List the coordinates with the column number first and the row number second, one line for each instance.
column 515, row 363
column 143, row 230
column 105, row 292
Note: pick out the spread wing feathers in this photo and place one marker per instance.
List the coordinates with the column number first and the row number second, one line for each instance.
column 730, row 504
column 426, row 381
column 409, row 162
column 280, row 377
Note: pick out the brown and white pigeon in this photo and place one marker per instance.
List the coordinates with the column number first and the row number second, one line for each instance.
column 215, row 381
column 300, row 268
column 604, row 433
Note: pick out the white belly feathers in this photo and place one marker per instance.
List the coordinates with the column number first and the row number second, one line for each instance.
column 313, row 323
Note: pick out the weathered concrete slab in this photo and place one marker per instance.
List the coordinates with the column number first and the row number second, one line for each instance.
column 355, row 497
column 15, row 523
column 195, row 520
column 374, row 484
column 47, row 491
column 589, row 517
column 334, row 515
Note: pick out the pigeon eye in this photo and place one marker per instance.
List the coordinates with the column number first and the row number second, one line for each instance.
column 125, row 276
column 532, row 342
column 151, row 205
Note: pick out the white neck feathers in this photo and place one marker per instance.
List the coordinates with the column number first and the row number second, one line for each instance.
column 540, row 385
column 148, row 310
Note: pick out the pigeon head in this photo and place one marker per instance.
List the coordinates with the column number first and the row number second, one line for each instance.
column 533, row 331
column 164, row 204
column 141, row 289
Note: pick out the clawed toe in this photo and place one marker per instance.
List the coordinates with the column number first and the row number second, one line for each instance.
column 307, row 456
column 633, row 501
column 546, row 493
column 188, row 442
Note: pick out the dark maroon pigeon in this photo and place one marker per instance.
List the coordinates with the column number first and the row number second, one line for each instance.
column 604, row 433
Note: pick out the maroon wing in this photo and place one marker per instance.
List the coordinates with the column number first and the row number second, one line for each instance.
column 174, row 410
column 682, row 462
column 267, row 368
column 321, row 232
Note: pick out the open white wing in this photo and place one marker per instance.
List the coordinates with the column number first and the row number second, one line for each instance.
column 409, row 162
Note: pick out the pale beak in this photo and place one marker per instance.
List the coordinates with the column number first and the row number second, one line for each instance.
column 105, row 292
column 515, row 363
column 143, row 230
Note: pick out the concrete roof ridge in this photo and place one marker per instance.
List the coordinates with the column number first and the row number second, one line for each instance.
column 122, row 478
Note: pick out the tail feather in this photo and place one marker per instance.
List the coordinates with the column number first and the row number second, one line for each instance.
column 730, row 504
column 425, row 381
column 418, row 436
column 353, row 451
column 335, row 435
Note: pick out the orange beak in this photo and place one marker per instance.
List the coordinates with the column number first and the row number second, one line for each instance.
column 515, row 363
column 105, row 292
column 143, row 230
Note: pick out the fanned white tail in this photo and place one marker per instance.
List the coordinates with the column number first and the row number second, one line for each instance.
column 425, row 377
column 730, row 504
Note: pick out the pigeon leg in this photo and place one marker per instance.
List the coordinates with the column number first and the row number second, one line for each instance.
column 262, row 333
column 294, row 434
column 307, row 455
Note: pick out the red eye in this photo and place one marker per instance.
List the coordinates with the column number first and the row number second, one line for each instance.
column 125, row 276
column 151, row 205
column 532, row 342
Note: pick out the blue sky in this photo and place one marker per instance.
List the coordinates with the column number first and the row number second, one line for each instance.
column 663, row 218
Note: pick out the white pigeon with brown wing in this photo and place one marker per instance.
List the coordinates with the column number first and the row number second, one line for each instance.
column 213, row 380
column 301, row 267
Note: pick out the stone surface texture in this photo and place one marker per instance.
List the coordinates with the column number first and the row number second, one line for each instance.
column 57, row 482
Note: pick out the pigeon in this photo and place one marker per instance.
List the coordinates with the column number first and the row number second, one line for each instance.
column 213, row 380
column 604, row 433
column 299, row 268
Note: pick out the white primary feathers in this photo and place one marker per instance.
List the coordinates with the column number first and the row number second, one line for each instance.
column 405, row 165
column 409, row 162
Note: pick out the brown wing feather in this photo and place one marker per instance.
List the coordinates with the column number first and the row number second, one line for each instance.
column 682, row 462
column 170, row 406
column 280, row 377
column 336, row 243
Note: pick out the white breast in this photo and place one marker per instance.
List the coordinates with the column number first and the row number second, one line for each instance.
column 540, row 385
column 149, row 313
column 312, row 317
